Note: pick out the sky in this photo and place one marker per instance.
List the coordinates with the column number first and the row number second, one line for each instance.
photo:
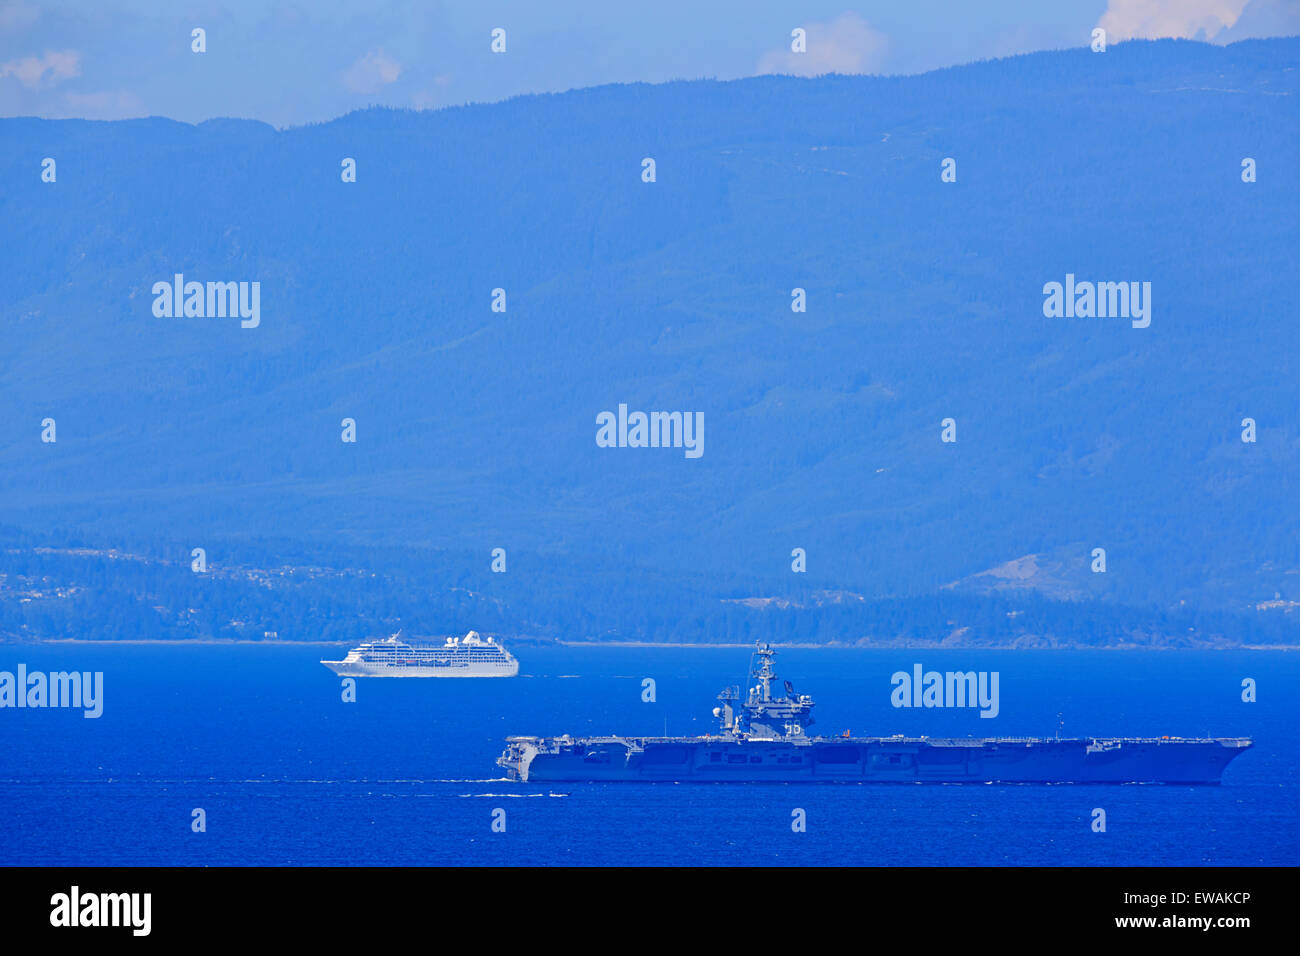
column 293, row 63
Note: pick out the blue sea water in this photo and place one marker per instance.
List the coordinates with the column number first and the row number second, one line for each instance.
column 288, row 773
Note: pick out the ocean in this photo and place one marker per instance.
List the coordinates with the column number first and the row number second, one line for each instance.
column 287, row 773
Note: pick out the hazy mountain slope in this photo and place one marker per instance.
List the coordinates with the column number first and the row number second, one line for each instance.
column 477, row 429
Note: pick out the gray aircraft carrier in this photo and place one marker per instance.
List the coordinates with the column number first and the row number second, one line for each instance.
column 764, row 739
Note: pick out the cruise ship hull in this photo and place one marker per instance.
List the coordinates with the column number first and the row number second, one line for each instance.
column 468, row 656
column 871, row 759
column 449, row 669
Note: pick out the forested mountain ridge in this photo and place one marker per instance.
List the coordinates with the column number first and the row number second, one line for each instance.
column 476, row 429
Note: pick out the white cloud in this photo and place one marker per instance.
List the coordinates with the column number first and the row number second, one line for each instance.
column 31, row 71
column 1155, row 19
column 846, row 44
column 371, row 72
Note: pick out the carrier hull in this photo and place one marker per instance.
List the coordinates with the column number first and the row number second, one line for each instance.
column 762, row 738
column 871, row 759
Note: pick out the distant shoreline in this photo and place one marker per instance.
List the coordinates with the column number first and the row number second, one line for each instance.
column 157, row 643
column 684, row 644
column 950, row 647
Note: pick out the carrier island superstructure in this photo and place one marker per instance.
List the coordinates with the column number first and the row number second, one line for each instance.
column 765, row 738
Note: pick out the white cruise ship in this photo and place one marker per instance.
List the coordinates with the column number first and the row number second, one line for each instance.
column 468, row 656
